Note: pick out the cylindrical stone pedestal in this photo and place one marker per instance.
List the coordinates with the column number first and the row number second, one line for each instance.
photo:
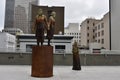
column 42, row 61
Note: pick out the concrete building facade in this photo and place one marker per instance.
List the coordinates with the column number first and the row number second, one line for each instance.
column 61, row 44
column 102, row 32
column 73, row 30
column 96, row 31
column 87, row 31
column 7, row 41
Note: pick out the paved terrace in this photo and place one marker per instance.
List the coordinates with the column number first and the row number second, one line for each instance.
column 23, row 72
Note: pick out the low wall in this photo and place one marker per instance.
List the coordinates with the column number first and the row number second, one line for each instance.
column 61, row 59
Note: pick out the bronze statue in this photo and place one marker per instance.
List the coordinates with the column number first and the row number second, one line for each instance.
column 40, row 26
column 51, row 26
column 76, row 59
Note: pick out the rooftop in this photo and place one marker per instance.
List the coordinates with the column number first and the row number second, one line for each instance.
column 23, row 72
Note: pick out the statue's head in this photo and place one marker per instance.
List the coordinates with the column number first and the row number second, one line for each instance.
column 53, row 13
column 40, row 11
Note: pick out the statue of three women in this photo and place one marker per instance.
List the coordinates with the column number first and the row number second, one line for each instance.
column 42, row 24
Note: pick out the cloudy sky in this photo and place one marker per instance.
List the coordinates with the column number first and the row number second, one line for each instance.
column 75, row 10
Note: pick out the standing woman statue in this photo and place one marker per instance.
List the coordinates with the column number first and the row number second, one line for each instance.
column 76, row 59
column 40, row 26
column 51, row 26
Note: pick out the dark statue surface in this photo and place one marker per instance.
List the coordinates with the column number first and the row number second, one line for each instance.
column 42, row 25
column 76, row 59
column 51, row 26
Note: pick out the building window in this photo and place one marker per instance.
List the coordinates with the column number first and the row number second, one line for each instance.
column 59, row 46
column 87, row 41
column 98, row 27
column 102, row 25
column 98, row 34
column 93, row 24
column 87, row 21
column 102, row 41
column 102, row 32
column 95, row 40
column 93, row 30
column 95, row 34
column 99, row 41
column 87, row 34
column 88, row 28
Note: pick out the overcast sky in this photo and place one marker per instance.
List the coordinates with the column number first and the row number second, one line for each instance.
column 75, row 10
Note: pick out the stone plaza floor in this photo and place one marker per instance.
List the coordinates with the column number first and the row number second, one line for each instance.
column 23, row 72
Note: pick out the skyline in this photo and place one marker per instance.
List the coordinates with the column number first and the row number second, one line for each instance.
column 75, row 11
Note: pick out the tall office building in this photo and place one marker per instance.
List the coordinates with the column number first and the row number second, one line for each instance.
column 23, row 14
column 9, row 14
column 18, row 14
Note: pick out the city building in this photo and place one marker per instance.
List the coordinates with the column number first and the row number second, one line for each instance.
column 114, row 24
column 59, row 19
column 96, row 31
column 73, row 30
column 18, row 13
column 22, row 14
column 7, row 41
column 9, row 14
column 102, row 32
column 87, row 31
column 13, row 31
column 61, row 43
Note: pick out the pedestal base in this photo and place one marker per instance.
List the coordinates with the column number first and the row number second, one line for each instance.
column 42, row 61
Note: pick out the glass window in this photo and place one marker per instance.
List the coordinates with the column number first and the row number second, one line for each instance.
column 102, row 25
column 87, row 41
column 88, row 28
column 87, row 21
column 98, row 34
column 95, row 34
column 99, row 41
column 93, row 24
column 87, row 34
column 102, row 41
column 98, row 26
column 102, row 32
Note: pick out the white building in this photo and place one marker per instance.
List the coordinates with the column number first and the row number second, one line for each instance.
column 102, row 32
column 7, row 41
column 60, row 43
column 96, row 31
column 87, row 31
column 13, row 31
column 73, row 30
